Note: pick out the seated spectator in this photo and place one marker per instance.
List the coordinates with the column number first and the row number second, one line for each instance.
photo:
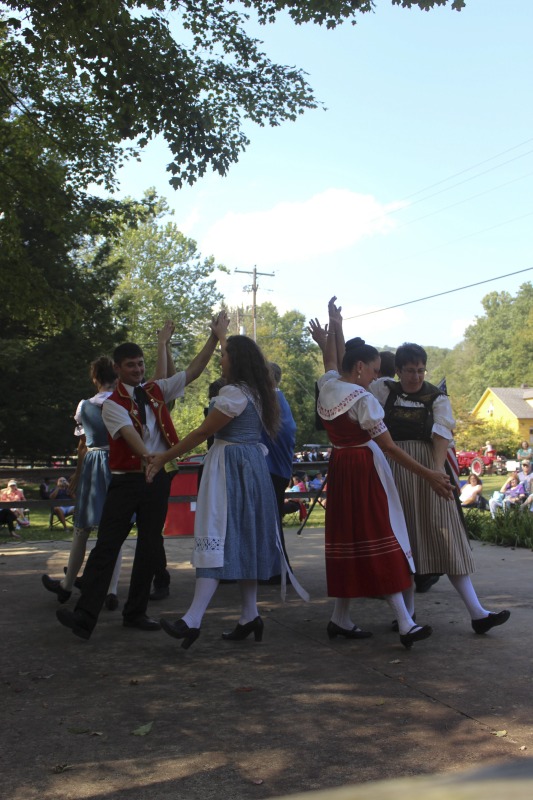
column 525, row 476
column 316, row 482
column 8, row 518
column 15, row 495
column 44, row 489
column 297, row 483
column 471, row 494
column 524, row 451
column 512, row 493
column 62, row 492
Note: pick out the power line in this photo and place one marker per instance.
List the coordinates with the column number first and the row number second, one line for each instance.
column 439, row 294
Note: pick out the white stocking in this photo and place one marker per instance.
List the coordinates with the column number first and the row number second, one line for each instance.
column 341, row 613
column 464, row 587
column 409, row 598
column 75, row 559
column 204, row 590
column 249, row 610
column 405, row 620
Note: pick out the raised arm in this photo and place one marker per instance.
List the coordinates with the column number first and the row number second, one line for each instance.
column 164, row 367
column 219, row 327
column 334, row 336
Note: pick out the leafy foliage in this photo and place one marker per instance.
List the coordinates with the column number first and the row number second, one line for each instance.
column 129, row 70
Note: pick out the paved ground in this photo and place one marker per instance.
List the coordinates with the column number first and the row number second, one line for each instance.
column 244, row 720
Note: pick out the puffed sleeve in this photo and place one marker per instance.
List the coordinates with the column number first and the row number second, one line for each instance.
column 332, row 374
column 78, row 430
column 368, row 413
column 443, row 420
column 231, row 400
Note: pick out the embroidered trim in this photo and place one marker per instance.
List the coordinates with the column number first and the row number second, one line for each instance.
column 340, row 408
column 206, row 544
column 378, row 428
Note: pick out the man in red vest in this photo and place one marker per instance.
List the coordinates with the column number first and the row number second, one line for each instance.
column 138, row 423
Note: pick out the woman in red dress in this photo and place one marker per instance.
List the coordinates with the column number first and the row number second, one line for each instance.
column 367, row 546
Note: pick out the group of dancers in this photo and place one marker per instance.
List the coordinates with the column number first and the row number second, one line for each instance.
column 390, row 509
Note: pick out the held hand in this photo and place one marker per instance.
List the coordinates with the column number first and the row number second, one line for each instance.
column 440, row 483
column 165, row 334
column 334, row 311
column 154, row 462
column 219, row 325
column 318, row 333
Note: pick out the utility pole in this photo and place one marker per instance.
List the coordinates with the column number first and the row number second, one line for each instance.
column 253, row 288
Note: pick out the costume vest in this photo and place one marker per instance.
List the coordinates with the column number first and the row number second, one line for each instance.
column 120, row 455
column 406, row 422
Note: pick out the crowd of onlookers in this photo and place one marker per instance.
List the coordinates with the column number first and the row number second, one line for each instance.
column 516, row 491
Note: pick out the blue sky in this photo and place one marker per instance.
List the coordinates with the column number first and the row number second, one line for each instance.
column 360, row 200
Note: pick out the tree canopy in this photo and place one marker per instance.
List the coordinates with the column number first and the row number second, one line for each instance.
column 129, row 70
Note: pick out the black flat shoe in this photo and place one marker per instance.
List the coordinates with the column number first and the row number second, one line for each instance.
column 180, row 630
column 334, row 630
column 143, row 623
column 240, row 632
column 415, row 635
column 111, row 602
column 486, row 623
column 76, row 621
column 55, row 586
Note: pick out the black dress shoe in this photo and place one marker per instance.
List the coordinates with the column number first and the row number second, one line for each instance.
column 55, row 586
column 416, row 634
column 240, row 632
column 76, row 621
column 143, row 623
column 486, row 623
column 180, row 630
column 111, row 602
column 160, row 593
column 348, row 633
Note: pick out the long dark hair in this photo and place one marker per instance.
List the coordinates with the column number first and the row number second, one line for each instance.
column 248, row 367
column 357, row 350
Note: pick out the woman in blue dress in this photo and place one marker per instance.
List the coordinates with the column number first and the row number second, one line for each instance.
column 236, row 533
column 90, row 481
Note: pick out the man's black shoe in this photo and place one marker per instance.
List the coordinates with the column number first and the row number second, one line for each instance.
column 143, row 623
column 76, row 621
column 160, row 593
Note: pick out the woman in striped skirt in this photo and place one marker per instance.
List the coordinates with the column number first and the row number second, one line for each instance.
column 420, row 420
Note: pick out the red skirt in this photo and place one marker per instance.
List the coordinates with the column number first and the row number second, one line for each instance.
column 363, row 557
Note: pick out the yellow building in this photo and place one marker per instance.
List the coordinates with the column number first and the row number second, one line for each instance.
column 512, row 407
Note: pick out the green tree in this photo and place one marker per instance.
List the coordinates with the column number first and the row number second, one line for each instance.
column 129, row 70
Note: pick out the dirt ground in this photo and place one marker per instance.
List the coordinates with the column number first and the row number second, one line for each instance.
column 130, row 715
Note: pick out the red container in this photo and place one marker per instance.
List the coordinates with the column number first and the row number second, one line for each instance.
column 180, row 516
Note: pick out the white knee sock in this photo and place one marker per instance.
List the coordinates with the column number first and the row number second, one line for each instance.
column 204, row 590
column 249, row 610
column 409, row 598
column 464, row 587
column 341, row 613
column 397, row 604
column 75, row 559
column 113, row 586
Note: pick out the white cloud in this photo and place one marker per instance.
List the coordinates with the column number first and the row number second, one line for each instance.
column 459, row 326
column 296, row 232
